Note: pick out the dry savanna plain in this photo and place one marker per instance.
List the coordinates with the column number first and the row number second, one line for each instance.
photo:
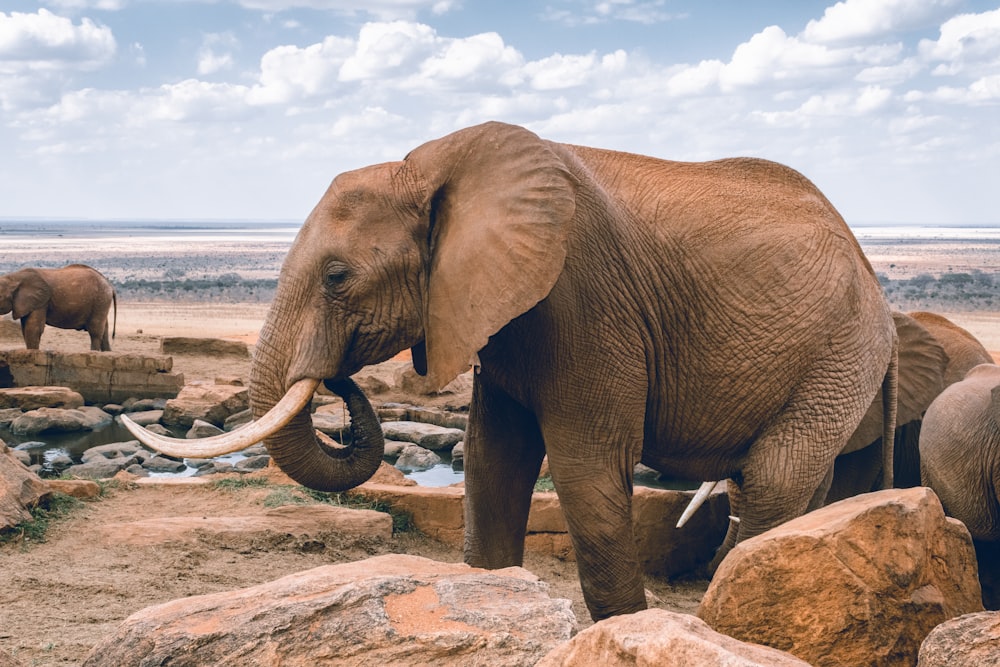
column 63, row 591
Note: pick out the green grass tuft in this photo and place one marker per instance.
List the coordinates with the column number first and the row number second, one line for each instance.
column 55, row 507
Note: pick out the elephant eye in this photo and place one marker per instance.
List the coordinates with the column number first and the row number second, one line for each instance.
column 335, row 274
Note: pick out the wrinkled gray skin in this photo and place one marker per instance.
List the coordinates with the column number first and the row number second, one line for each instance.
column 960, row 461
column 934, row 353
column 711, row 320
column 73, row 297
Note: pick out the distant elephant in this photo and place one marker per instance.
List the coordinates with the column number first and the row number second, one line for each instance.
column 934, row 353
column 960, row 461
column 710, row 319
column 73, row 297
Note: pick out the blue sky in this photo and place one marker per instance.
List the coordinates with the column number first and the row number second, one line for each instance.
column 246, row 109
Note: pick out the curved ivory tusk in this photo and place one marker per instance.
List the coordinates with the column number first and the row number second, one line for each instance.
column 296, row 398
column 704, row 491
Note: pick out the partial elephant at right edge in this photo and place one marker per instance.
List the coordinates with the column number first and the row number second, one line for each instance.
column 934, row 353
column 960, row 461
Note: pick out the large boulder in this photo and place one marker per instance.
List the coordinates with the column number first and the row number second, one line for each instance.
column 41, row 420
column 215, row 347
column 209, row 402
column 664, row 638
column 32, row 398
column 20, row 489
column 428, row 436
column 972, row 640
column 388, row 610
column 859, row 582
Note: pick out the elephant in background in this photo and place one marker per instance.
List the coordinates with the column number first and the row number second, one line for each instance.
column 74, row 297
column 710, row 320
column 934, row 353
column 960, row 461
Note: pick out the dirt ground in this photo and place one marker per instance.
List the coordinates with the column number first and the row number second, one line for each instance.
column 60, row 596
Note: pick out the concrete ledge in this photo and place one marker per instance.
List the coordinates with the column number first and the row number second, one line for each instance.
column 100, row 377
column 663, row 549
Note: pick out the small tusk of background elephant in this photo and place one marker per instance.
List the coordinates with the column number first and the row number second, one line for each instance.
column 712, row 320
column 74, row 297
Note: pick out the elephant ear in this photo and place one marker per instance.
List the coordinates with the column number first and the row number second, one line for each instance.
column 922, row 365
column 500, row 203
column 31, row 293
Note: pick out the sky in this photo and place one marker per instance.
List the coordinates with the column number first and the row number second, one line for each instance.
column 247, row 109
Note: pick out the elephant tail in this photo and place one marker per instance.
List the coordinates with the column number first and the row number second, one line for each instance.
column 114, row 301
column 890, row 391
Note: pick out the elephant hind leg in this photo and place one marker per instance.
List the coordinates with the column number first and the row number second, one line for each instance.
column 789, row 468
column 32, row 326
column 104, row 344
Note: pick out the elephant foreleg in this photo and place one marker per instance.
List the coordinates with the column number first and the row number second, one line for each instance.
column 595, row 493
column 503, row 454
column 32, row 326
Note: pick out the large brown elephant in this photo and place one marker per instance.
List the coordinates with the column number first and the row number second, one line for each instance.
column 934, row 353
column 74, row 297
column 960, row 461
column 710, row 319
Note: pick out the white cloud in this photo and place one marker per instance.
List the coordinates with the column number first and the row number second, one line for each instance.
column 44, row 41
column 470, row 59
column 382, row 9
column 290, row 73
column 559, row 72
column 985, row 90
column 216, row 54
column 646, row 12
column 968, row 43
column 860, row 19
column 385, row 48
column 834, row 105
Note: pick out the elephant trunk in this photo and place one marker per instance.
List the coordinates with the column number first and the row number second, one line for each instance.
column 307, row 457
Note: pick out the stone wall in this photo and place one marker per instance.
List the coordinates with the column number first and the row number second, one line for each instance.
column 100, row 377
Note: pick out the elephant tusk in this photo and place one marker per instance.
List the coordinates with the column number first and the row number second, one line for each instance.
column 294, row 400
column 704, row 491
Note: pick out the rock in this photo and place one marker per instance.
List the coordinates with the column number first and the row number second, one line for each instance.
column 458, row 454
column 333, row 423
column 85, row 418
column 664, row 638
column 77, row 488
column 861, row 581
column 387, row 474
column 32, row 398
column 234, row 421
column 159, row 429
column 100, row 468
column 371, row 385
column 161, row 463
column 972, row 640
column 415, row 457
column 388, row 610
column 211, row 403
column 202, row 429
column 234, row 380
column 144, row 404
column 7, row 415
column 393, row 448
column 146, row 417
column 252, row 463
column 428, row 436
column 20, row 489
column 407, row 380
column 114, row 450
column 204, row 346
column 22, row 456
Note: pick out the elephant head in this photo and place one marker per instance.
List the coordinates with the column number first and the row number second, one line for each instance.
column 22, row 292
column 436, row 253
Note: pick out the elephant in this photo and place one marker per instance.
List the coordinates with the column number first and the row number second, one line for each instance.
column 960, row 462
column 75, row 296
column 934, row 353
column 710, row 320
